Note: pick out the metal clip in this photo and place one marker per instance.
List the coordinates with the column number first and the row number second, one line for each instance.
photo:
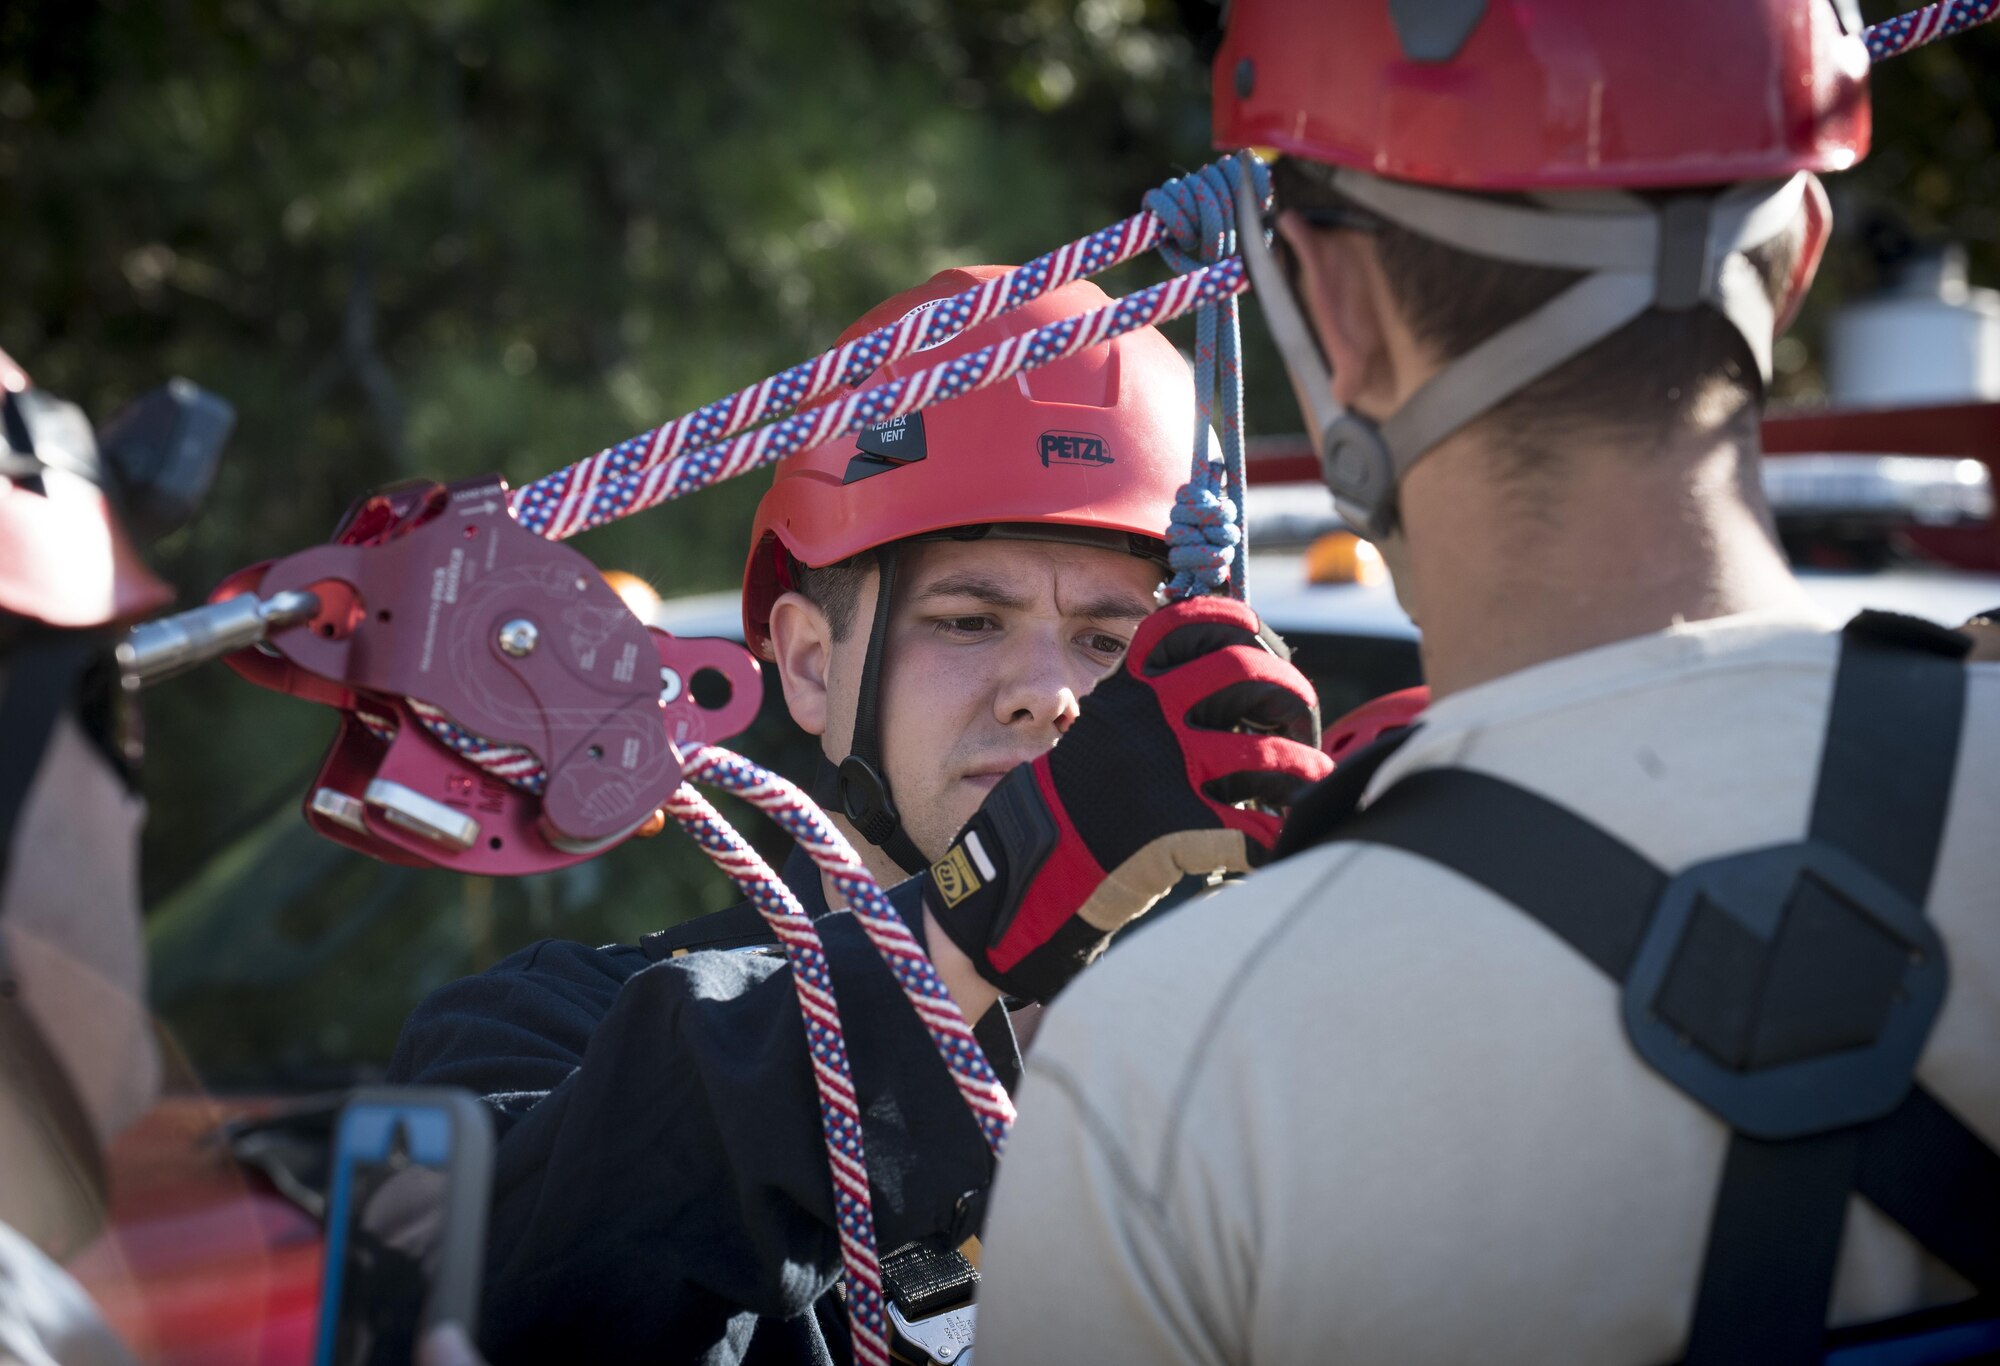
column 161, row 649
column 418, row 814
column 943, row 1338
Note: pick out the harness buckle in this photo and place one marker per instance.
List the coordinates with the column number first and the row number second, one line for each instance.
column 1790, row 990
column 944, row 1338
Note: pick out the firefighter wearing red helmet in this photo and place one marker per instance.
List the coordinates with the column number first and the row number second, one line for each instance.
column 1083, row 456
column 937, row 597
column 1642, row 1003
column 77, row 1059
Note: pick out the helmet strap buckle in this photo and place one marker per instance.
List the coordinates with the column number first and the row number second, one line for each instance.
column 864, row 797
column 1685, row 277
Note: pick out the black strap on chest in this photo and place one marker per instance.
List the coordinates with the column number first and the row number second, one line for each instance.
column 1789, row 990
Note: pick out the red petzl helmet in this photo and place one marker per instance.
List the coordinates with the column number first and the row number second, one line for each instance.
column 1546, row 94
column 1099, row 441
column 65, row 560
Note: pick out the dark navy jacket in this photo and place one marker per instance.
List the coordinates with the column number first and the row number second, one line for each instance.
column 660, row 1186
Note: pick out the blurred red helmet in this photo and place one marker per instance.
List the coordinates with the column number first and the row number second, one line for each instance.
column 1546, row 94
column 1099, row 441
column 64, row 559
column 1372, row 720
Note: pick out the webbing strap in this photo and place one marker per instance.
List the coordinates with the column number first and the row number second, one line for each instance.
column 1892, row 747
column 1925, row 1169
column 1328, row 803
column 1773, row 1244
column 1594, row 891
column 1883, row 793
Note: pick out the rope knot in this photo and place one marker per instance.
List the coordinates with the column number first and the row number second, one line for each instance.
column 1202, row 537
column 1197, row 212
column 1205, row 543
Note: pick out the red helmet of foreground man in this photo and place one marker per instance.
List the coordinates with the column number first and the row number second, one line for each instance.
column 1403, row 102
column 1546, row 94
column 1092, row 448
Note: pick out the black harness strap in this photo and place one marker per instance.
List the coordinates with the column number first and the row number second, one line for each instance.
column 1892, row 747
column 1773, row 1247
column 1592, row 889
column 1338, row 797
column 1925, row 1169
column 1883, row 792
column 1813, row 983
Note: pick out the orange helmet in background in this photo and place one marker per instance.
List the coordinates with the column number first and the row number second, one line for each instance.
column 1097, row 443
column 1091, row 448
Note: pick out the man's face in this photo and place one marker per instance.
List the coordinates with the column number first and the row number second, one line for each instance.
column 990, row 647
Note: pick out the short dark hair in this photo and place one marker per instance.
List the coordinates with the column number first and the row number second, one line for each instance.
column 835, row 589
column 1690, row 367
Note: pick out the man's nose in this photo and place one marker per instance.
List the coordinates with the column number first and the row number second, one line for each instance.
column 1041, row 683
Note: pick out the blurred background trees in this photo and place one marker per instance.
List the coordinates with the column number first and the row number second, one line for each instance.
column 440, row 237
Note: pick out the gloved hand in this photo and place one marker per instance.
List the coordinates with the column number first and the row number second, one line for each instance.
column 1205, row 712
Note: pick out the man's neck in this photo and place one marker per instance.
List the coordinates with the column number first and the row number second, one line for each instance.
column 1622, row 545
column 881, row 867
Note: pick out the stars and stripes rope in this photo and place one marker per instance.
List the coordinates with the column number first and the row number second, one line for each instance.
column 829, row 850
column 621, row 495
column 712, row 443
column 1893, row 37
column 812, row 979
column 559, row 505
column 510, row 763
column 840, row 1113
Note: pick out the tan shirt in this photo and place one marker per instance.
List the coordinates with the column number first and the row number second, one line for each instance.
column 1359, row 1109
column 45, row 1318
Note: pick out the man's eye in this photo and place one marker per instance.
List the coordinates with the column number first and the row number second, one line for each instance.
column 1110, row 646
column 967, row 626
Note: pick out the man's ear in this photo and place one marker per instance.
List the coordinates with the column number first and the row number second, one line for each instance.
column 802, row 648
column 1819, row 227
column 1337, row 288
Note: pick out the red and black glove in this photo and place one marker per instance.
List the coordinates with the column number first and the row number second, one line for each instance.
column 1179, row 764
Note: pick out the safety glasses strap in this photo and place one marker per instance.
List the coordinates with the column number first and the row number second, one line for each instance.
column 1623, row 234
column 1622, row 240
column 1683, row 254
column 1311, row 380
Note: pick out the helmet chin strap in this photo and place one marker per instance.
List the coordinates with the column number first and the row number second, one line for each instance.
column 858, row 786
column 1685, row 253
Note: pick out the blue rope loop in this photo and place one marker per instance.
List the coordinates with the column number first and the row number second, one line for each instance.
column 1208, row 544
